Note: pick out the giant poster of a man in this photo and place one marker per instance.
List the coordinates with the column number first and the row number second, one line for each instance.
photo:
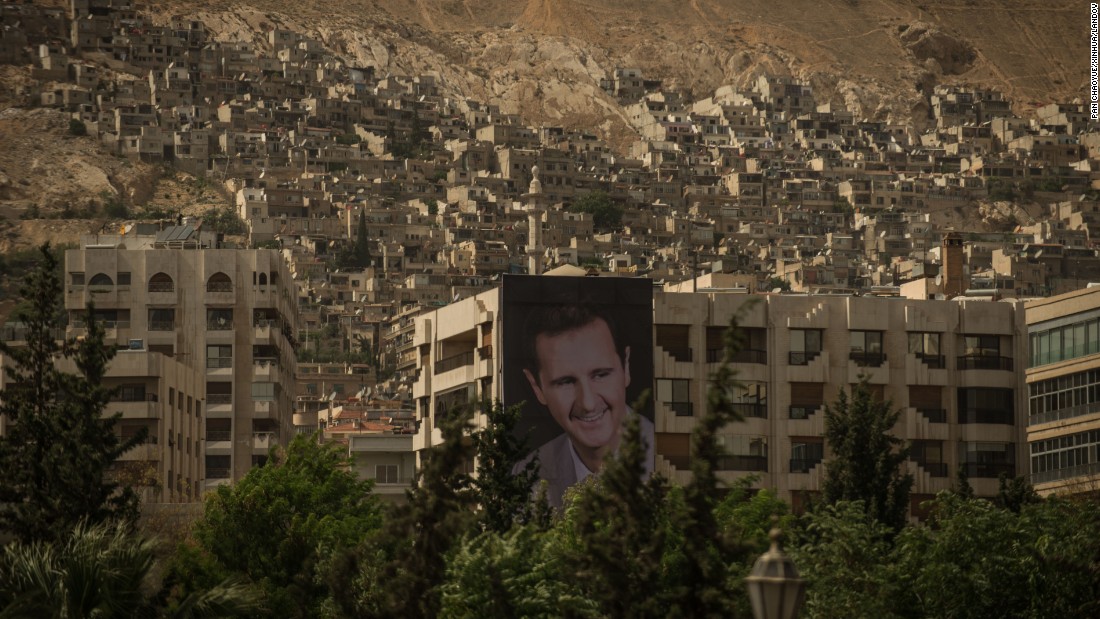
column 577, row 353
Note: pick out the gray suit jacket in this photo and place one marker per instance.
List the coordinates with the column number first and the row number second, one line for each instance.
column 556, row 463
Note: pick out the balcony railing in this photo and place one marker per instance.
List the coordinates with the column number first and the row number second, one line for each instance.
column 743, row 463
column 219, row 398
column 751, row 409
column 803, row 357
column 218, row 473
column 454, row 362
column 984, row 362
column 1064, row 413
column 1080, row 470
column 988, row 470
column 803, row 412
column 936, row 362
column 678, row 354
column 215, row 363
column 682, row 409
column 265, row 362
column 934, row 415
column 485, row 352
column 749, row 355
column 162, row 325
column 867, row 359
column 804, row 465
column 219, row 287
column 135, row 397
column 219, row 325
column 162, row 287
column 934, row 469
column 218, row 435
column 987, row 415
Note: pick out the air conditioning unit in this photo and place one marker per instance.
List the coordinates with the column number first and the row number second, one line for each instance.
column 137, row 344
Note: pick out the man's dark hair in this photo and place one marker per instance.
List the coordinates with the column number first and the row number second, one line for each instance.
column 553, row 320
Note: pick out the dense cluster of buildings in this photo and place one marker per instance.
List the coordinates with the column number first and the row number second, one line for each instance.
column 718, row 200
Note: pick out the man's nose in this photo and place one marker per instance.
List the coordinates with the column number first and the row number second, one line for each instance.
column 587, row 397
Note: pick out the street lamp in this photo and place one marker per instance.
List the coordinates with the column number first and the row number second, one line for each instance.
column 775, row 589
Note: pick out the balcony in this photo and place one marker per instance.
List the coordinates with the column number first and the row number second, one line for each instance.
column 219, row 325
column 803, row 412
column 803, row 357
column 215, row 399
column 804, row 465
column 162, row 325
column 142, row 452
column 935, row 362
column 988, row 470
column 217, row 436
column 997, row 416
column 984, row 362
column 263, row 367
column 217, row 473
column 681, row 409
column 262, row 408
column 454, row 362
column 263, row 440
column 751, row 409
column 682, row 355
column 219, row 366
column 934, row 415
column 1081, row 470
column 867, row 359
column 1064, row 413
column 743, row 463
column 934, row 469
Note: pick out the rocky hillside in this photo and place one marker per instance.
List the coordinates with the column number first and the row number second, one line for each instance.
column 543, row 58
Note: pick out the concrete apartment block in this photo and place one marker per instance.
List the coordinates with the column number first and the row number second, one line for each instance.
column 228, row 314
column 954, row 368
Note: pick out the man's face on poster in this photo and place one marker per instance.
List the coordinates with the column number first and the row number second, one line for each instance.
column 582, row 381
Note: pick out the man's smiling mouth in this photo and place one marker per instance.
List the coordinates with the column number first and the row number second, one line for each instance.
column 590, row 417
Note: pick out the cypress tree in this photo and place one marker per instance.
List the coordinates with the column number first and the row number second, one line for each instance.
column 57, row 447
column 866, row 458
column 504, row 498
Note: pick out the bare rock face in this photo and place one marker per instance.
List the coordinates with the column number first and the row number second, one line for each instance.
column 954, row 56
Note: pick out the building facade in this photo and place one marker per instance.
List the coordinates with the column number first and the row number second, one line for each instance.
column 1063, row 382
column 228, row 313
column 952, row 367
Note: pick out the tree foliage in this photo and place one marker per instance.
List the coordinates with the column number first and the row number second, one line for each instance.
column 867, row 460
column 504, row 498
column 58, row 447
column 606, row 215
column 279, row 526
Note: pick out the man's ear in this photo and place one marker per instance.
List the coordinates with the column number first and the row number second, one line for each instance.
column 626, row 365
column 535, row 386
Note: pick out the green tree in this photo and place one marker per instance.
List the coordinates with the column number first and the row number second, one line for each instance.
column 398, row 571
column 103, row 571
column 77, row 127
column 363, row 258
column 504, row 498
column 512, row 574
column 1015, row 492
column 616, row 533
column 606, row 215
column 866, row 463
column 58, row 447
column 279, row 526
column 845, row 556
column 777, row 282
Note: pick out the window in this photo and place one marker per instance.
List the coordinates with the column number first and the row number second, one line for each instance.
column 102, row 280
column 1064, row 397
column 219, row 282
column 743, row 453
column 983, row 352
column 1066, row 456
column 218, row 357
column 806, row 453
column 674, row 340
column 987, row 460
column 986, row 405
column 162, row 319
column 751, row 400
column 263, row 391
column 929, row 455
column 217, row 467
column 1068, row 342
column 676, row 394
column 76, row 279
column 865, row 348
column 123, row 279
column 385, row 473
column 219, row 319
column 805, row 345
column 926, row 347
column 161, row 282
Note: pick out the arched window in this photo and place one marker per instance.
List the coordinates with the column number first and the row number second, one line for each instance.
column 101, row 279
column 274, row 278
column 161, row 282
column 219, row 282
column 263, row 279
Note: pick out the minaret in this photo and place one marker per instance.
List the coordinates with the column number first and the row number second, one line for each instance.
column 535, row 212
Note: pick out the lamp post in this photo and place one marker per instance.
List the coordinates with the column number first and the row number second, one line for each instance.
column 775, row 589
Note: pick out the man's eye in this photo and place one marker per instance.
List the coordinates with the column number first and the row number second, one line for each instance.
column 602, row 374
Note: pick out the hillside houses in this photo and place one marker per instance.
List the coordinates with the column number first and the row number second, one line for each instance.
column 773, row 184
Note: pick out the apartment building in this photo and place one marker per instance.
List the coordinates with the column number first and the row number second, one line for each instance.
column 1063, row 382
column 950, row 366
column 229, row 314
